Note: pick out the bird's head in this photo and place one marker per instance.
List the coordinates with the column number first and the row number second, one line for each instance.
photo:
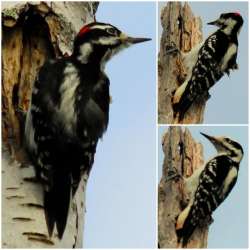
column 229, row 23
column 100, row 41
column 227, row 146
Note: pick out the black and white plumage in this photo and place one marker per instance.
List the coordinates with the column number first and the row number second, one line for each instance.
column 69, row 112
column 209, row 186
column 208, row 62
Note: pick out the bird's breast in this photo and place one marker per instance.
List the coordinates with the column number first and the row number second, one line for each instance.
column 229, row 180
column 65, row 111
column 92, row 114
column 232, row 50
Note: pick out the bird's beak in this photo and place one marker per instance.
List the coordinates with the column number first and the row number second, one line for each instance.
column 132, row 40
column 216, row 23
column 210, row 138
column 216, row 141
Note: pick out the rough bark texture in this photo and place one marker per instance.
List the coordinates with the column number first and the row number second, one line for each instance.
column 183, row 29
column 33, row 32
column 185, row 155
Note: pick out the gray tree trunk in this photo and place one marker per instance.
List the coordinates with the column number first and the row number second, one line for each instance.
column 33, row 32
column 185, row 155
column 182, row 28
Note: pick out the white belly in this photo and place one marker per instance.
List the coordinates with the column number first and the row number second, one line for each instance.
column 230, row 52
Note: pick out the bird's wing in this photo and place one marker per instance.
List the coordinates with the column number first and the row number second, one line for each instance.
column 215, row 183
column 205, row 73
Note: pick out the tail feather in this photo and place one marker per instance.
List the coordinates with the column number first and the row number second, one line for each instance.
column 63, row 206
column 181, row 100
column 184, row 227
column 49, row 211
column 184, row 235
column 56, row 204
column 182, row 107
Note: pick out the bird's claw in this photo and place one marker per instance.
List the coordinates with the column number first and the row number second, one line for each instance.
column 172, row 174
column 172, row 49
column 235, row 66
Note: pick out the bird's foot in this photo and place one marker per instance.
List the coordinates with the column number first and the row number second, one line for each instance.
column 207, row 221
column 21, row 114
column 172, row 49
column 172, row 174
column 235, row 66
column 208, row 96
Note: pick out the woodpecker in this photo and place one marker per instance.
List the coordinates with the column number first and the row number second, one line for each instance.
column 209, row 186
column 68, row 114
column 208, row 62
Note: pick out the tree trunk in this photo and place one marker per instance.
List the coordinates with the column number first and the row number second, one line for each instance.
column 185, row 155
column 183, row 29
column 32, row 33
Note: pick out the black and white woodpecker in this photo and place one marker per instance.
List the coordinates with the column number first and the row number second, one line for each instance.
column 209, row 186
column 68, row 114
column 207, row 62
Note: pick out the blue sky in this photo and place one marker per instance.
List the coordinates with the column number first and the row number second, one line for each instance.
column 229, row 97
column 121, row 197
column 230, row 226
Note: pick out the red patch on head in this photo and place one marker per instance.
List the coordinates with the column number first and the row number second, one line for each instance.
column 237, row 13
column 83, row 30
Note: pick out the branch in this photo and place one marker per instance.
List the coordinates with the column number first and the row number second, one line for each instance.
column 32, row 33
column 185, row 155
column 182, row 28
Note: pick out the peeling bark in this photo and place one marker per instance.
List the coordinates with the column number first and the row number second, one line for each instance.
column 182, row 28
column 33, row 32
column 185, row 155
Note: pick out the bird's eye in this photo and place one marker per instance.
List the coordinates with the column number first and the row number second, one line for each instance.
column 228, row 140
column 112, row 31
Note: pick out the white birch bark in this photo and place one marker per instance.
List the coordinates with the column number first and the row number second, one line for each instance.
column 26, row 44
